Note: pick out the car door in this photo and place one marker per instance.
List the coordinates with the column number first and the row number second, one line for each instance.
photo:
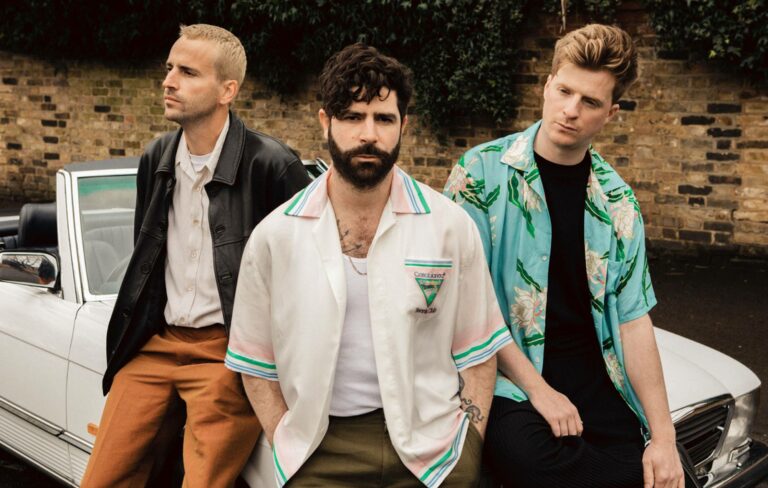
column 35, row 332
column 102, row 206
column 85, row 400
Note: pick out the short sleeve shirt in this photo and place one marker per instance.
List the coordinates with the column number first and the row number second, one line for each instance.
column 433, row 313
column 499, row 185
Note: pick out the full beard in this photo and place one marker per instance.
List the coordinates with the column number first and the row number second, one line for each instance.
column 365, row 174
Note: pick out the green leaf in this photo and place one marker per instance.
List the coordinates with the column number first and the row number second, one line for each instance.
column 526, row 277
column 492, row 148
column 536, row 339
column 595, row 212
column 625, row 279
column 514, row 198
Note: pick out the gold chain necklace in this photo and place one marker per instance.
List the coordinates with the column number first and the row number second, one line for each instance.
column 355, row 267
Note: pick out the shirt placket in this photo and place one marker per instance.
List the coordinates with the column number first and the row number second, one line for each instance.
column 194, row 242
column 537, row 255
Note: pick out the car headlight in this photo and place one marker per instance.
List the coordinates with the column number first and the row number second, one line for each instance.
column 737, row 439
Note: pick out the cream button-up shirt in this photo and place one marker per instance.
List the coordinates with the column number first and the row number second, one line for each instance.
column 433, row 313
column 190, row 278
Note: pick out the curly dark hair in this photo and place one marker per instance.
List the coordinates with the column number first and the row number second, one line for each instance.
column 358, row 73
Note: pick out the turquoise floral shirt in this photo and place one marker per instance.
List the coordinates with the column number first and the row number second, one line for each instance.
column 498, row 184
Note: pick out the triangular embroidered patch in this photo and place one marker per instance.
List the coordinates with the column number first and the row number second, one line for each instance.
column 429, row 287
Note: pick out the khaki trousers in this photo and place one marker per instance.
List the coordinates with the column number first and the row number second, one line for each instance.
column 356, row 452
column 180, row 364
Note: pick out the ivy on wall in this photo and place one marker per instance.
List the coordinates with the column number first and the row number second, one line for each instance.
column 463, row 52
column 730, row 31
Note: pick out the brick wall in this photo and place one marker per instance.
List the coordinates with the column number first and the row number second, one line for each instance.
column 691, row 138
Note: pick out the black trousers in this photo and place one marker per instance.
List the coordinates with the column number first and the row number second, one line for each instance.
column 522, row 452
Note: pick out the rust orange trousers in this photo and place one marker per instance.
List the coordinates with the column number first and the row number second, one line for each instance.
column 142, row 413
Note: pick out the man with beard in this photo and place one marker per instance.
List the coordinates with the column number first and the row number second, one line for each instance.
column 200, row 192
column 365, row 324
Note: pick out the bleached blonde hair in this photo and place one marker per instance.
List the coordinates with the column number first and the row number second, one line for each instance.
column 231, row 62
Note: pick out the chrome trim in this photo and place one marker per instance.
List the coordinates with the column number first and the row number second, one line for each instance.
column 73, row 256
column 738, row 452
column 685, row 413
column 77, row 229
column 45, row 469
column 76, row 441
column 29, row 417
column 751, row 471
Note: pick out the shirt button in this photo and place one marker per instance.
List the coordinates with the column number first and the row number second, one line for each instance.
column 190, row 288
column 195, row 221
column 544, row 258
column 193, row 254
column 538, row 360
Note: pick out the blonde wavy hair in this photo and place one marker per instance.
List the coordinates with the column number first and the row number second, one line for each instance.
column 231, row 61
column 600, row 47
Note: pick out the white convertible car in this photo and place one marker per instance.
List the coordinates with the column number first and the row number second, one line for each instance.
column 60, row 270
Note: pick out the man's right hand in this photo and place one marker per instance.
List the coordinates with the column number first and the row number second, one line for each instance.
column 561, row 415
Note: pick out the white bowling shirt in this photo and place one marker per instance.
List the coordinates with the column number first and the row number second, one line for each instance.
column 432, row 307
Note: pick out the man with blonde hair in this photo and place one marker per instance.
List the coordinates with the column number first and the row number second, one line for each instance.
column 564, row 240
column 200, row 192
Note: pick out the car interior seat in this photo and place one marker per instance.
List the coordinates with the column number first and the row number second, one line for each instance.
column 104, row 248
column 37, row 229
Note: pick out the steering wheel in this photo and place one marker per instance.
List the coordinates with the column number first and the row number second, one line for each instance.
column 116, row 275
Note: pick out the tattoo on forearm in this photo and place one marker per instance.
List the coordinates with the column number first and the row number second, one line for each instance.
column 472, row 410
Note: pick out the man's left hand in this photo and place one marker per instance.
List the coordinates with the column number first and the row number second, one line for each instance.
column 661, row 466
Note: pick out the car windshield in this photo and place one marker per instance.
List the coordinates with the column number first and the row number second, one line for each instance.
column 106, row 219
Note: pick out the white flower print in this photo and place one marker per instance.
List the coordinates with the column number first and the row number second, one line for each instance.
column 458, row 181
column 529, row 308
column 517, row 152
column 530, row 199
column 594, row 190
column 623, row 215
column 597, row 267
column 614, row 369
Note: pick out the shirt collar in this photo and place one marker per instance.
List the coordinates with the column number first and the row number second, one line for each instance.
column 520, row 156
column 520, row 153
column 183, row 156
column 405, row 196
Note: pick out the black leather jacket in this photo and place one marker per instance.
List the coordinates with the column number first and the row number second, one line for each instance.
column 255, row 174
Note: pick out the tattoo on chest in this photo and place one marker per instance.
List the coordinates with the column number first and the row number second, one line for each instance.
column 472, row 410
column 352, row 243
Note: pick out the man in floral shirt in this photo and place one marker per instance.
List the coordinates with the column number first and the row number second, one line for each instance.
column 564, row 240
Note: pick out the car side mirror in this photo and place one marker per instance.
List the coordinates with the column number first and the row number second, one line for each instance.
column 34, row 268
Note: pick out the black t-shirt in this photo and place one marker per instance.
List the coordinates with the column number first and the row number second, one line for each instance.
column 573, row 362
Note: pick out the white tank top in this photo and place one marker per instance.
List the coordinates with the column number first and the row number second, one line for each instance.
column 356, row 384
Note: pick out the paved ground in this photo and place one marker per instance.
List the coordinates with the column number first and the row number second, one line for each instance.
column 720, row 303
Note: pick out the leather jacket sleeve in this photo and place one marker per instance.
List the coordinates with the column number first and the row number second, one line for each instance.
column 292, row 180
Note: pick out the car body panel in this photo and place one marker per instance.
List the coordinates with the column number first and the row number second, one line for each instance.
column 35, row 444
column 714, row 372
column 35, row 353
column 88, row 360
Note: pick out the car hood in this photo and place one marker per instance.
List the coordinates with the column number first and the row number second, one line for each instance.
column 694, row 372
